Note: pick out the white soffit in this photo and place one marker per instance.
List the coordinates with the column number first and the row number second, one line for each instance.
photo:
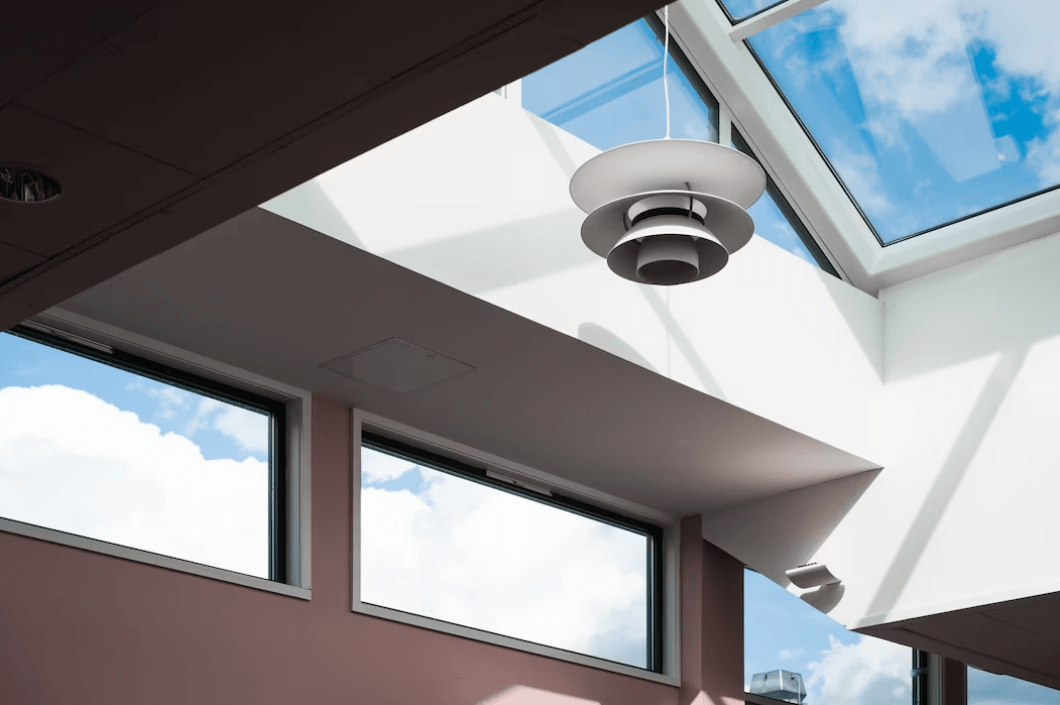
column 717, row 50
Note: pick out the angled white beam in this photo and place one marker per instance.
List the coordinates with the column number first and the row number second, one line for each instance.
column 772, row 16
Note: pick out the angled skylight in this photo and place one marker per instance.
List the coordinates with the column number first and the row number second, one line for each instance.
column 929, row 112
column 610, row 93
column 742, row 9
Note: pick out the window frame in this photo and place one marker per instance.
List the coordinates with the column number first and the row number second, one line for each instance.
column 506, row 476
column 289, row 412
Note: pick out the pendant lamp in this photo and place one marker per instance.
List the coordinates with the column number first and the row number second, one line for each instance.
column 668, row 211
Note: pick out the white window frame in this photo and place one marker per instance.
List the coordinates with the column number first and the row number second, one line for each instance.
column 364, row 420
column 716, row 49
column 299, row 427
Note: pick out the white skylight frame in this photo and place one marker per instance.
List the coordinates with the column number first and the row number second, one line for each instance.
column 747, row 96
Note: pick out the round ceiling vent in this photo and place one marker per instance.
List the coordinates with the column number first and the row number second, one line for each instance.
column 25, row 185
column 667, row 212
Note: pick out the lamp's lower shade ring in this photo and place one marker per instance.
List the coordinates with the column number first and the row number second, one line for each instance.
column 667, row 251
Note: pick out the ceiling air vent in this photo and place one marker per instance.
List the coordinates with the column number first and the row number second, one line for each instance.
column 24, row 185
column 398, row 366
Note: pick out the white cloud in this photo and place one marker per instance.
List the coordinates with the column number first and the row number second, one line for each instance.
column 1043, row 155
column 912, row 61
column 72, row 462
column 473, row 555
column 171, row 400
column 249, row 429
column 384, row 467
column 869, row 671
column 789, row 654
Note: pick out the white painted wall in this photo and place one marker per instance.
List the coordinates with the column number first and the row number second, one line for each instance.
column 951, row 381
column 479, row 199
column 969, row 497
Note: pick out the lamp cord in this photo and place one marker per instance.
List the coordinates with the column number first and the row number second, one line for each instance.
column 666, row 57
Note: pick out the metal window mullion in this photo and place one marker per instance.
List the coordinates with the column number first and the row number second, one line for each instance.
column 762, row 21
column 724, row 125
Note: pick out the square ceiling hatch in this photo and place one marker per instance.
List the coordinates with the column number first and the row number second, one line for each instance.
column 398, row 366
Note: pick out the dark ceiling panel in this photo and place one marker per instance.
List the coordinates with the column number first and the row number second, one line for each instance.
column 1041, row 616
column 202, row 85
column 39, row 38
column 274, row 92
column 102, row 183
column 1020, row 638
column 14, row 261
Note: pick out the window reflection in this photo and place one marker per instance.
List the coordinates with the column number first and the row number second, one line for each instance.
column 990, row 689
column 793, row 653
column 442, row 546
column 101, row 452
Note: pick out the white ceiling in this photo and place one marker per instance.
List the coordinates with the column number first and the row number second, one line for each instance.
column 278, row 299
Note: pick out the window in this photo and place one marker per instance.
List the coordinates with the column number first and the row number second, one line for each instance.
column 100, row 444
column 742, row 9
column 944, row 111
column 610, row 93
column 794, row 653
column 991, row 689
column 441, row 539
column 776, row 221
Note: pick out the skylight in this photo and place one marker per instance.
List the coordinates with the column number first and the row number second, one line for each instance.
column 741, row 9
column 929, row 112
column 610, row 93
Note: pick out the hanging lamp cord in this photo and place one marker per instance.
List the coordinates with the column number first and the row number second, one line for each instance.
column 666, row 59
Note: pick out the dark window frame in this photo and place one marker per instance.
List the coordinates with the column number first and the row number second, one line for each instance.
column 279, row 570
column 465, row 470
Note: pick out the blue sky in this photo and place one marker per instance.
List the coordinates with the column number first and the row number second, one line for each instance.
column 93, row 450
column 935, row 112
column 24, row 363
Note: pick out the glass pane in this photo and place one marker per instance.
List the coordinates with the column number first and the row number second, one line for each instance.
column 740, row 9
column 771, row 224
column 440, row 546
column 989, row 689
column 794, row 653
column 777, row 224
column 930, row 111
column 611, row 92
column 89, row 449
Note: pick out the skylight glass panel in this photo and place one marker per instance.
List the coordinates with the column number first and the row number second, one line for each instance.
column 929, row 112
column 610, row 93
column 742, row 9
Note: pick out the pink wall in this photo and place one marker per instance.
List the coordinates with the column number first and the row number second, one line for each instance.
column 711, row 621
column 80, row 627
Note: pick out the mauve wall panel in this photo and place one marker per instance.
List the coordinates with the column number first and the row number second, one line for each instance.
column 79, row 627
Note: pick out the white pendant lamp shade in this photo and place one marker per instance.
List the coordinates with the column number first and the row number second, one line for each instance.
column 667, row 212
